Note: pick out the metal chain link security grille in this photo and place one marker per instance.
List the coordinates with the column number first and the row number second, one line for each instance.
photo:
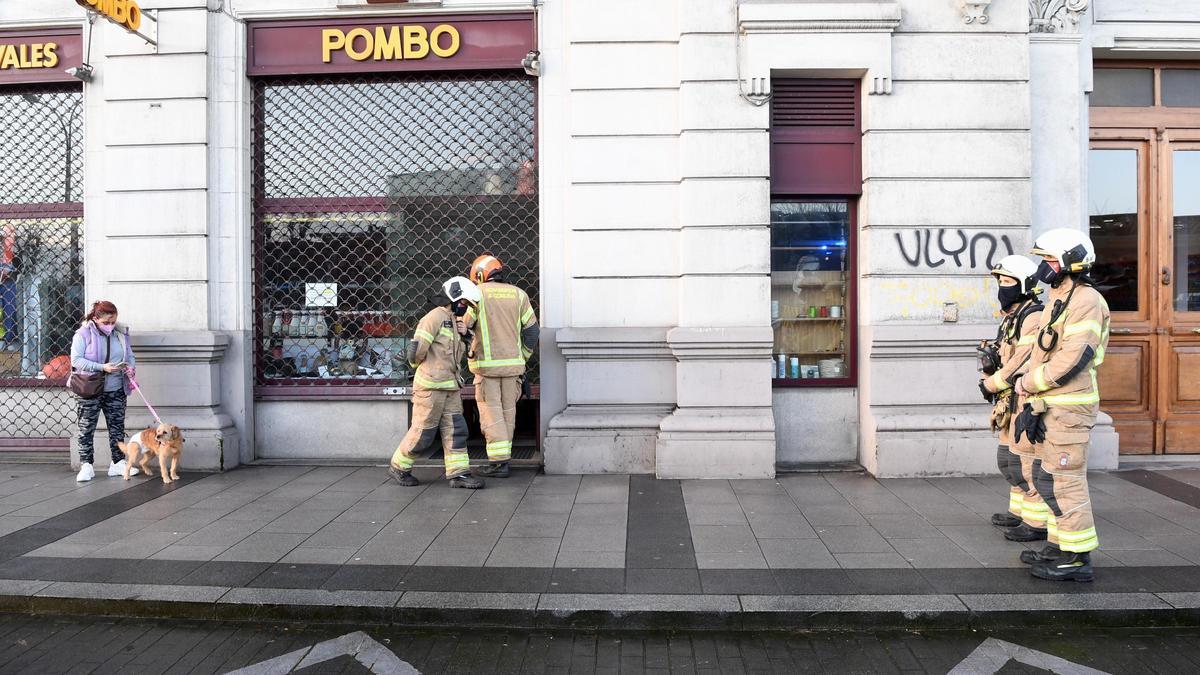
column 369, row 192
column 41, row 265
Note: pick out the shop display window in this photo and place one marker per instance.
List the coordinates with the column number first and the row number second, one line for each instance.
column 812, row 282
column 370, row 191
column 41, row 259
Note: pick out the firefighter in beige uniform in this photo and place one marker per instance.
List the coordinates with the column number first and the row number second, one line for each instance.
column 505, row 335
column 1004, row 361
column 1063, row 400
column 436, row 351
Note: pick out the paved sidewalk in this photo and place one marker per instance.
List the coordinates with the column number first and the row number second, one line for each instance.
column 802, row 550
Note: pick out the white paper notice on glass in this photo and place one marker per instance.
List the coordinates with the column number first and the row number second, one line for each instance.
column 320, row 295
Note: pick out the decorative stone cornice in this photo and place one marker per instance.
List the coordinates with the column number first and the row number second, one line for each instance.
column 179, row 346
column 1056, row 16
column 613, row 344
column 974, row 11
column 721, row 343
column 819, row 17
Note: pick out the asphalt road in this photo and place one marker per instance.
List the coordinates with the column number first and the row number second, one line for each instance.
column 103, row 645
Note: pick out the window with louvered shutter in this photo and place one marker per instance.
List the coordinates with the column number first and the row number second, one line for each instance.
column 815, row 177
column 816, row 137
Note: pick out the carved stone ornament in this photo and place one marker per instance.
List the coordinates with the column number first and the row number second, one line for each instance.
column 974, row 11
column 1056, row 16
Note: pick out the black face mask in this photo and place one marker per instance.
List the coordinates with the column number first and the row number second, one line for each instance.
column 459, row 308
column 1009, row 295
column 1047, row 274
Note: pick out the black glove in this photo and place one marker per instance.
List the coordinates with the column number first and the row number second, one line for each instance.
column 526, row 386
column 987, row 395
column 1030, row 424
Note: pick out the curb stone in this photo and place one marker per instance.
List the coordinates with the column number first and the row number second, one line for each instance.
column 599, row 611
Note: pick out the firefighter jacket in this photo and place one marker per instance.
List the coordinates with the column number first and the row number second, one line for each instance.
column 1018, row 332
column 436, row 351
column 505, row 331
column 1069, row 348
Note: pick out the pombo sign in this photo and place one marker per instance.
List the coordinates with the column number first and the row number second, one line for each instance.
column 121, row 12
column 391, row 43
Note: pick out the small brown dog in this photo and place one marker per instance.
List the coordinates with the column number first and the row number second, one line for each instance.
column 165, row 441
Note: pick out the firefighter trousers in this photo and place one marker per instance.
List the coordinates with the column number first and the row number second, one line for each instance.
column 1024, row 501
column 497, row 399
column 1060, row 476
column 434, row 409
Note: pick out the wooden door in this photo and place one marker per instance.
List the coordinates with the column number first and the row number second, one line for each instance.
column 1144, row 194
column 1144, row 214
column 1120, row 210
column 1179, row 248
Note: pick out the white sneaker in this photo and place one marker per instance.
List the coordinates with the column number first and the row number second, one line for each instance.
column 86, row 473
column 118, row 469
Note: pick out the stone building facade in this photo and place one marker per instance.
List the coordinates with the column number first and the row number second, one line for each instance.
column 667, row 159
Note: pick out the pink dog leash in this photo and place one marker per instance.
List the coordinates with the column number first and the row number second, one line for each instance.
column 148, row 406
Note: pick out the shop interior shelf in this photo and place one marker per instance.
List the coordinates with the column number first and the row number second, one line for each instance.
column 810, row 318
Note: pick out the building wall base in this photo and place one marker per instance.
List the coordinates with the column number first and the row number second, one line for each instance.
column 717, row 443
column 179, row 374
column 911, row 443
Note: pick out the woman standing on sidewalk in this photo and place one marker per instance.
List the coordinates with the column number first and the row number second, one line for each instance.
column 100, row 345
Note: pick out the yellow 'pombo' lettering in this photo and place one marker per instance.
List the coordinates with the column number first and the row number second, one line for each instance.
column 125, row 13
column 416, row 42
column 435, row 41
column 386, row 43
column 332, row 40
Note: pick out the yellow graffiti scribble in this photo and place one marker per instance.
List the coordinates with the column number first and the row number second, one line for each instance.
column 923, row 298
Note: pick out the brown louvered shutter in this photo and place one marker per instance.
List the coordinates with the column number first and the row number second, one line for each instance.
column 816, row 137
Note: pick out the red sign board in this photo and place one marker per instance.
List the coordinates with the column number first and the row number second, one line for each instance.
column 39, row 55
column 389, row 44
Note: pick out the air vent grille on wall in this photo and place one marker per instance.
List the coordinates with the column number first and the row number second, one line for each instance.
column 813, row 103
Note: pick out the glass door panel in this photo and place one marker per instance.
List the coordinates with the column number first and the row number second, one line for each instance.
column 1185, row 165
column 1113, row 217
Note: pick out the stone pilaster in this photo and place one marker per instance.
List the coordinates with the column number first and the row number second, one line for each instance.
column 724, row 426
column 151, row 243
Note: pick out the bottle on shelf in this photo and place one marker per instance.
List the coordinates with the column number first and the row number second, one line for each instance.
column 277, row 323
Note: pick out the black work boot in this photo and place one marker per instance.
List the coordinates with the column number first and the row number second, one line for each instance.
column 404, row 478
column 493, row 470
column 1049, row 552
column 1005, row 520
column 1068, row 567
column 466, row 481
column 1024, row 532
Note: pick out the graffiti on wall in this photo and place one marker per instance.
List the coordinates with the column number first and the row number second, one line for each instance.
column 933, row 248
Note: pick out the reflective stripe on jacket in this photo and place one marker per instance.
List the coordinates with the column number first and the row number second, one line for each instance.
column 1065, row 375
column 439, row 351
column 503, row 312
column 1014, row 349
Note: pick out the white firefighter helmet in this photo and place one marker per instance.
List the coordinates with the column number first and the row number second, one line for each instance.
column 1020, row 268
column 1071, row 248
column 461, row 288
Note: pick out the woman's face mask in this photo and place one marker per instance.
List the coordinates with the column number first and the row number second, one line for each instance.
column 1009, row 295
column 106, row 324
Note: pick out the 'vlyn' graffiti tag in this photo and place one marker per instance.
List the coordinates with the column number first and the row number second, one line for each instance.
column 967, row 247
